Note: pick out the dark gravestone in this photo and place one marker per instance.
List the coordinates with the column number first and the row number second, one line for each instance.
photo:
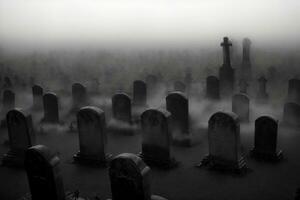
column 92, row 136
column 294, row 91
column 130, row 178
column 246, row 72
column 224, row 143
column 121, row 107
column 262, row 95
column 139, row 93
column 265, row 142
column 79, row 96
column 21, row 137
column 291, row 114
column 212, row 88
column 226, row 72
column 37, row 94
column 179, row 86
column 50, row 108
column 240, row 106
column 178, row 106
column 44, row 176
column 156, row 138
column 8, row 101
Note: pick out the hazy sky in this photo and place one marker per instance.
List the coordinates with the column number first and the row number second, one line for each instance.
column 47, row 23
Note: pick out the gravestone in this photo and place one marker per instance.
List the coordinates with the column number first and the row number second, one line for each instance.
column 243, row 86
column 51, row 114
column 130, row 178
column 179, row 86
column 44, row 176
column 240, row 106
column 224, row 143
column 226, row 72
column 246, row 71
column 8, row 101
column 212, row 88
column 139, row 93
column 92, row 136
column 156, row 138
column 291, row 114
column 262, row 95
column 121, row 107
column 177, row 104
column 37, row 94
column 294, row 91
column 79, row 96
column 21, row 136
column 265, row 142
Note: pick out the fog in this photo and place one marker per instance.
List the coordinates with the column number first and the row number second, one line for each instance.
column 39, row 24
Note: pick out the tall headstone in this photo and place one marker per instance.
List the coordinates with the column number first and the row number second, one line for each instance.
column 240, row 106
column 294, row 91
column 224, row 143
column 92, row 136
column 8, row 101
column 291, row 114
column 79, row 96
column 156, row 138
column 51, row 114
column 139, row 93
column 179, row 86
column 37, row 94
column 265, row 142
column 262, row 95
column 212, row 88
column 130, row 178
column 246, row 72
column 226, row 72
column 21, row 137
column 44, row 176
column 121, row 107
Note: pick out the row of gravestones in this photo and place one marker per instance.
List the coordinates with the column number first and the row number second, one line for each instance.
column 223, row 137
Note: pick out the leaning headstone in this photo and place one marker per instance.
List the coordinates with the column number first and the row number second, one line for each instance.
column 156, row 138
column 262, row 95
column 21, row 137
column 179, row 86
column 212, row 88
column 178, row 105
column 139, row 93
column 8, row 101
column 51, row 114
column 224, row 143
column 294, row 91
column 265, row 142
column 240, row 106
column 37, row 94
column 291, row 114
column 121, row 107
column 130, row 178
column 79, row 96
column 92, row 136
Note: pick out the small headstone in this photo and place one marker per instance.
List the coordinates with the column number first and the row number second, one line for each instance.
column 265, row 142
column 156, row 138
column 130, row 178
column 294, row 91
column 240, row 106
column 92, row 136
column 21, row 137
column 121, row 107
column 37, row 94
column 139, row 93
column 224, row 143
column 79, row 96
column 291, row 114
column 50, row 108
column 212, row 88
column 8, row 101
column 262, row 95
column 179, row 86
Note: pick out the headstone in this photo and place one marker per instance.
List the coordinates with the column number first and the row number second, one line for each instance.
column 130, row 178
column 224, row 143
column 178, row 106
column 212, row 88
column 226, row 72
column 179, row 86
column 294, row 91
column 79, row 96
column 139, row 93
column 156, row 138
column 50, row 108
column 243, row 86
column 246, row 72
column 265, row 142
column 44, row 176
column 21, row 137
column 291, row 114
column 8, row 101
column 37, row 94
column 121, row 107
column 92, row 136
column 240, row 106
column 262, row 95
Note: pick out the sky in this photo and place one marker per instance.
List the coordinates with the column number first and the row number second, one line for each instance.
column 50, row 23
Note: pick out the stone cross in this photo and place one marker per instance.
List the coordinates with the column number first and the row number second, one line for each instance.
column 226, row 51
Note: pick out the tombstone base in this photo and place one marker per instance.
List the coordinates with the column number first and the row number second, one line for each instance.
column 266, row 156
column 215, row 163
column 14, row 158
column 166, row 164
column 89, row 160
